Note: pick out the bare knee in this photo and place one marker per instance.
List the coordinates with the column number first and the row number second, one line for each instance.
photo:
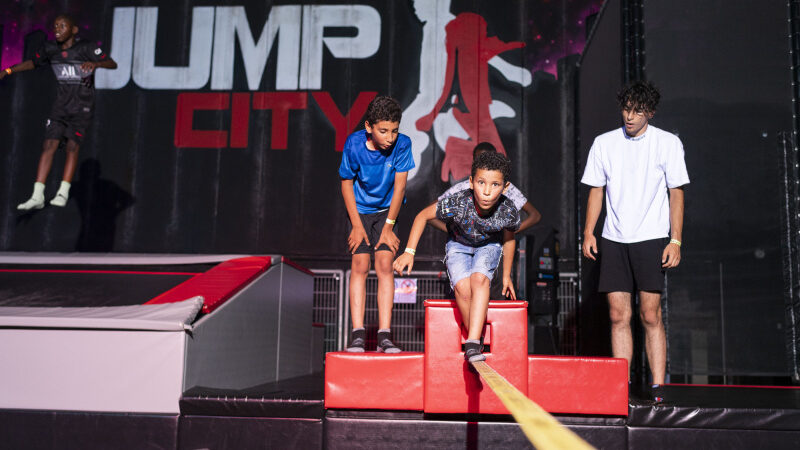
column 72, row 147
column 463, row 289
column 619, row 315
column 360, row 264
column 383, row 265
column 651, row 317
column 479, row 281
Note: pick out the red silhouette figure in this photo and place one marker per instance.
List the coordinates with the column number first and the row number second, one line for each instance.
column 468, row 45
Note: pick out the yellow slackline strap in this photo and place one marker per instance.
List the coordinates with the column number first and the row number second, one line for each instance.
column 542, row 429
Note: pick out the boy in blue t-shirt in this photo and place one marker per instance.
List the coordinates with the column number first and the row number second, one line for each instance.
column 374, row 169
column 481, row 223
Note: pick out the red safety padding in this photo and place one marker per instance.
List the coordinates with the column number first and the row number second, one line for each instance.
column 217, row 284
column 374, row 380
column 450, row 385
column 579, row 385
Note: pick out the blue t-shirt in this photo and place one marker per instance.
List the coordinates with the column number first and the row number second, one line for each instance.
column 372, row 171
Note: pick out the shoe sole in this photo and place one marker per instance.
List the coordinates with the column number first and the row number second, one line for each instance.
column 19, row 208
column 354, row 350
column 395, row 350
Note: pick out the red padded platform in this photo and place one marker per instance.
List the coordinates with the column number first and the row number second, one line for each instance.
column 374, row 380
column 450, row 385
column 217, row 284
column 579, row 385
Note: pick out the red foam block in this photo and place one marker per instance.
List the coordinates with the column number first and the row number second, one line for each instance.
column 374, row 380
column 450, row 385
column 217, row 284
column 579, row 385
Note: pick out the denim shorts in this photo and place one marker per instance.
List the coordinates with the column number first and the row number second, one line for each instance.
column 463, row 260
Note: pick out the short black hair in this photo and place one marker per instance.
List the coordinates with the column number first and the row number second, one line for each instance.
column 640, row 95
column 483, row 147
column 383, row 108
column 492, row 161
column 68, row 18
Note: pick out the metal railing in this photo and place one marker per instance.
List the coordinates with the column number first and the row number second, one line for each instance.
column 332, row 309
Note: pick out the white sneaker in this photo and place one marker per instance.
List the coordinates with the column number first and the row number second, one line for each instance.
column 59, row 200
column 32, row 203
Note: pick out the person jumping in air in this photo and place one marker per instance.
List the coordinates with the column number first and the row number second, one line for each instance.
column 73, row 61
column 481, row 222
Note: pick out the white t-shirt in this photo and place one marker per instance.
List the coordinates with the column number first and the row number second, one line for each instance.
column 636, row 171
column 513, row 194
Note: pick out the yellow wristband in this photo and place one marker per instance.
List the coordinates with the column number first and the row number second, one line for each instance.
column 9, row 71
column 390, row 221
column 411, row 251
column 675, row 241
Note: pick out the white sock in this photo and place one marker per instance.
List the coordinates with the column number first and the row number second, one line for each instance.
column 38, row 190
column 63, row 190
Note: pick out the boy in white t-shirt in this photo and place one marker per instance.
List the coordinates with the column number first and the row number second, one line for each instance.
column 637, row 165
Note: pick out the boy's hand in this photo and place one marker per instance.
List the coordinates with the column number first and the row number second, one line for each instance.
column 89, row 66
column 589, row 246
column 508, row 288
column 357, row 234
column 403, row 261
column 389, row 238
column 3, row 74
column 671, row 256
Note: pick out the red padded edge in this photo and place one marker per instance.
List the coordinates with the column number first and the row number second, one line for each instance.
column 218, row 284
column 450, row 384
column 579, row 385
column 492, row 303
column 374, row 380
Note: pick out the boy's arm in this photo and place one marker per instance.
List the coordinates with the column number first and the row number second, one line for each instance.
column 593, row 207
column 21, row 67
column 105, row 64
column 533, row 216
column 357, row 234
column 509, row 245
column 387, row 233
column 671, row 256
column 407, row 258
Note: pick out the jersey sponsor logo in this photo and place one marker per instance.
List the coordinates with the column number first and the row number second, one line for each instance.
column 64, row 54
column 97, row 51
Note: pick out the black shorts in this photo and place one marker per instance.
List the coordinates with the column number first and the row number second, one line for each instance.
column 72, row 126
column 631, row 267
column 373, row 225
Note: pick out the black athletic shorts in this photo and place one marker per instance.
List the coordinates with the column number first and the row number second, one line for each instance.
column 68, row 124
column 373, row 225
column 631, row 267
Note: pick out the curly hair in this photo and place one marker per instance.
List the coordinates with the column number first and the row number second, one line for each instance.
column 492, row 161
column 383, row 108
column 483, row 147
column 640, row 95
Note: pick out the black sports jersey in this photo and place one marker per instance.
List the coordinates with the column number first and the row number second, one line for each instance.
column 75, row 85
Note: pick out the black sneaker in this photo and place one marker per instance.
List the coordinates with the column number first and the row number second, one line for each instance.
column 472, row 352
column 385, row 344
column 357, row 340
column 656, row 393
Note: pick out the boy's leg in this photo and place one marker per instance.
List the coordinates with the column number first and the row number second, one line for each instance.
column 480, row 286
column 383, row 269
column 359, row 268
column 70, row 164
column 619, row 308
column 655, row 337
column 46, row 159
column 36, row 201
column 463, row 300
